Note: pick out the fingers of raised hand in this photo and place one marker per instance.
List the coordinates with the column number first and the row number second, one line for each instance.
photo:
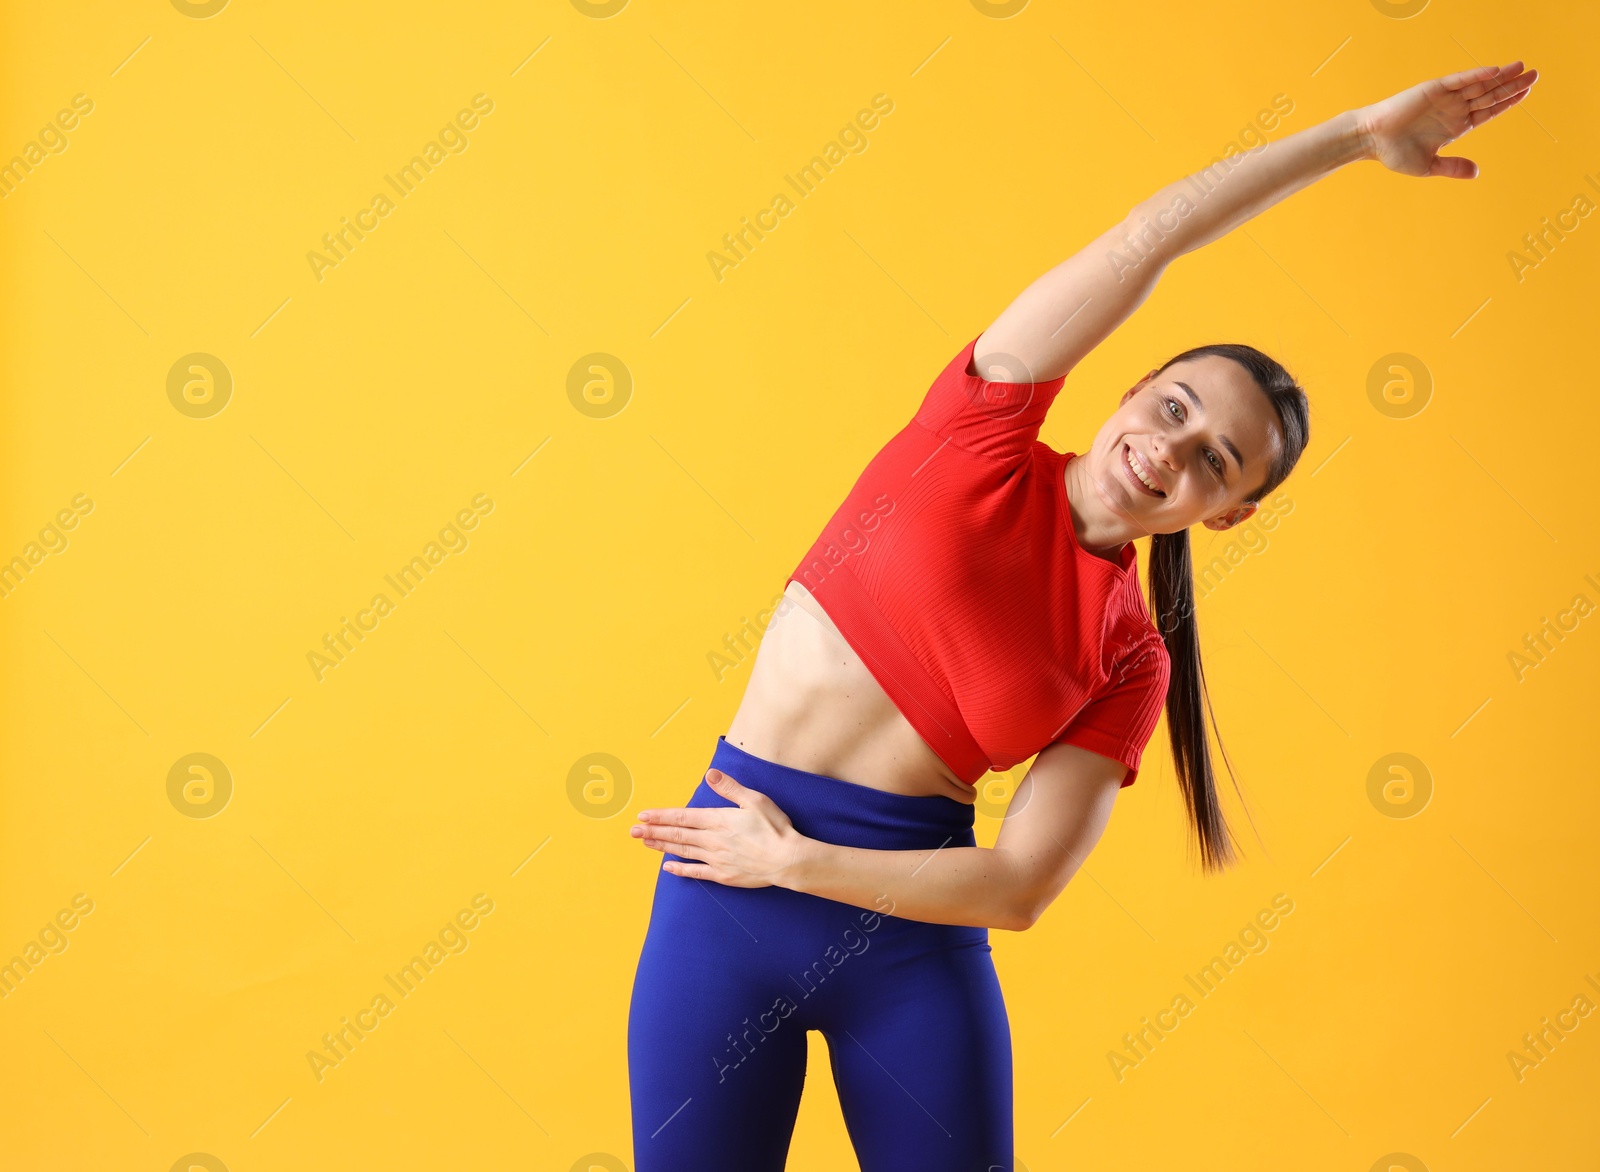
column 1501, row 89
column 1472, row 82
column 1479, row 117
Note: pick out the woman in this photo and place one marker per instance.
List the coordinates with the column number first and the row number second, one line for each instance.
column 975, row 601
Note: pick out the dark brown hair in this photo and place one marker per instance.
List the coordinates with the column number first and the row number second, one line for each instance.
column 1172, row 605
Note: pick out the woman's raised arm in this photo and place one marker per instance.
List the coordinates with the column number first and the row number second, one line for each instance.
column 1056, row 321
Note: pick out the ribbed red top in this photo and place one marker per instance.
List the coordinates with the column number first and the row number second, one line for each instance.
column 953, row 570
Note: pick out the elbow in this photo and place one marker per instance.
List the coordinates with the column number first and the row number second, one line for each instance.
column 1023, row 914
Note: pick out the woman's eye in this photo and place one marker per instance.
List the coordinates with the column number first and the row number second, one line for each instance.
column 1174, row 403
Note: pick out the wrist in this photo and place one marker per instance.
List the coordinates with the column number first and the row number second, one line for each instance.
column 801, row 863
column 1355, row 133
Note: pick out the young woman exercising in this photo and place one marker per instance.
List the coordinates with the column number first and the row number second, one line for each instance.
column 974, row 602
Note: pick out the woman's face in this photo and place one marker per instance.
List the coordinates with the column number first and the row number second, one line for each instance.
column 1202, row 431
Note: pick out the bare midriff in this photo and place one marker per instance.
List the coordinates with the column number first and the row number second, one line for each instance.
column 812, row 704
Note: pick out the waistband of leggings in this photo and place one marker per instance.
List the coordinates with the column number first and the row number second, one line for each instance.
column 845, row 812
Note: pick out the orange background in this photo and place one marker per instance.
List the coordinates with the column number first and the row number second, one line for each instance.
column 339, row 420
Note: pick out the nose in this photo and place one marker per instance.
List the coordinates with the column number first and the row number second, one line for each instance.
column 1158, row 450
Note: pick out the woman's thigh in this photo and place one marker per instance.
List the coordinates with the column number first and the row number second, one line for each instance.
column 920, row 1045
column 716, row 1028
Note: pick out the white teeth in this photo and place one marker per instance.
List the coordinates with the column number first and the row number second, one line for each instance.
column 1133, row 462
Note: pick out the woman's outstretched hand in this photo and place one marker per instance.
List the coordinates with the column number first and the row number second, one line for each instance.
column 1406, row 132
column 752, row 844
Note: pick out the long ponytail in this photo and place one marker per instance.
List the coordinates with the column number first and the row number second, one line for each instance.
column 1172, row 603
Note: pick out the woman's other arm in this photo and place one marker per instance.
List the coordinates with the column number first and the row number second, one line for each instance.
column 1054, row 820
column 1056, row 321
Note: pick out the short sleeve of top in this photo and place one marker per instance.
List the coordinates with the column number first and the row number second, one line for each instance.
column 987, row 417
column 1119, row 722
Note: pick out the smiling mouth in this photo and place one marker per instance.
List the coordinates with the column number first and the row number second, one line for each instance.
column 1132, row 468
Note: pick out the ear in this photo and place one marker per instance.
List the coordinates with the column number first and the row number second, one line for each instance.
column 1232, row 517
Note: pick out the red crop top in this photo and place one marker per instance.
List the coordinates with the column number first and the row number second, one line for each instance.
column 953, row 570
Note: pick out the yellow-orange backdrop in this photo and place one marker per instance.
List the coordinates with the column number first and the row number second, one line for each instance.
column 609, row 449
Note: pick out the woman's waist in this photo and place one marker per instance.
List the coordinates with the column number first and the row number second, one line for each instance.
column 836, row 810
column 811, row 704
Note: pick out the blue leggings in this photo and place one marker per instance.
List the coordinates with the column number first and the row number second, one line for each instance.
column 730, row 979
